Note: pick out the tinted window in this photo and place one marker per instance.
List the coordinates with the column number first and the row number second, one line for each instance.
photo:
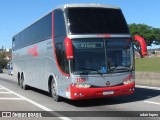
column 92, row 56
column 39, row 31
column 59, row 36
column 118, row 52
column 61, row 57
column 89, row 56
column 59, row 23
column 96, row 20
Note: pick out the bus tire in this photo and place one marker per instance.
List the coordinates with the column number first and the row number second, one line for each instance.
column 53, row 91
column 22, row 85
column 18, row 79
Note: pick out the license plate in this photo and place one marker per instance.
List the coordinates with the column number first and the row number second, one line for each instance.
column 108, row 92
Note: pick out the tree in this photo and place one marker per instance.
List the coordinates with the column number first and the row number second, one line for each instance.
column 156, row 31
column 3, row 62
column 150, row 34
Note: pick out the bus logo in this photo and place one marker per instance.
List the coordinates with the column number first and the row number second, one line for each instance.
column 33, row 51
column 107, row 83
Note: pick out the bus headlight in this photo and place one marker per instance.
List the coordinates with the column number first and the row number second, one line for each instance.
column 128, row 80
column 82, row 85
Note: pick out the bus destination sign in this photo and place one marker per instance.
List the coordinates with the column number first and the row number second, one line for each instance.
column 88, row 45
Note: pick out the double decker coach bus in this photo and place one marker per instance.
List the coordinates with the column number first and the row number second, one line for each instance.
column 77, row 51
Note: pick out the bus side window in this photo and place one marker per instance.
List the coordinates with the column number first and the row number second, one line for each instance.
column 61, row 57
column 59, row 23
column 59, row 36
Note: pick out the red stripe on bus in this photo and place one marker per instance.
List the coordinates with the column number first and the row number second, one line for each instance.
column 33, row 51
column 54, row 49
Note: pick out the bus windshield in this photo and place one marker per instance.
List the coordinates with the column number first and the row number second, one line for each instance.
column 84, row 20
column 100, row 56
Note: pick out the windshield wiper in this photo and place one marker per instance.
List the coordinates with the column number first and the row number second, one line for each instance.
column 91, row 70
column 120, row 68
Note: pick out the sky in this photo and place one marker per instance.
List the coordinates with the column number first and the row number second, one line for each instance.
column 15, row 15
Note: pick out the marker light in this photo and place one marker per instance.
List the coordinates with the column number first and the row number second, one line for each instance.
column 69, row 48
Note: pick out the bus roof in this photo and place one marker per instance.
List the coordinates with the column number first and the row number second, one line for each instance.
column 74, row 5
column 89, row 5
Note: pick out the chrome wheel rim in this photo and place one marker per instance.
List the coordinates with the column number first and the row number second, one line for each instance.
column 53, row 89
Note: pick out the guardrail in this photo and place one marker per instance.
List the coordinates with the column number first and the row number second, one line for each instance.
column 148, row 78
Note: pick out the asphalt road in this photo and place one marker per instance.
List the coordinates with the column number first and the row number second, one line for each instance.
column 33, row 102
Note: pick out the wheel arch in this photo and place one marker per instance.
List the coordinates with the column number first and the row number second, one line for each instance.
column 49, row 82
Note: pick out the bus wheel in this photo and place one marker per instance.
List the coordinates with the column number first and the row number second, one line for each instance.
column 53, row 91
column 18, row 80
column 22, row 85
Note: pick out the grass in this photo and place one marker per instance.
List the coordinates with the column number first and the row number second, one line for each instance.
column 147, row 64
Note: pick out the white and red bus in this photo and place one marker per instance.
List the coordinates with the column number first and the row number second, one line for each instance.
column 77, row 51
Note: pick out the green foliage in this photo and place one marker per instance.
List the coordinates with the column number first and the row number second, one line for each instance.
column 3, row 62
column 147, row 64
column 149, row 33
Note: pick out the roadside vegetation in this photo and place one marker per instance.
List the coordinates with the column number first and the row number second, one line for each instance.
column 3, row 62
column 150, row 34
column 147, row 64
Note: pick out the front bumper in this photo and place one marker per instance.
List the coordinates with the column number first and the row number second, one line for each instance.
column 91, row 93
